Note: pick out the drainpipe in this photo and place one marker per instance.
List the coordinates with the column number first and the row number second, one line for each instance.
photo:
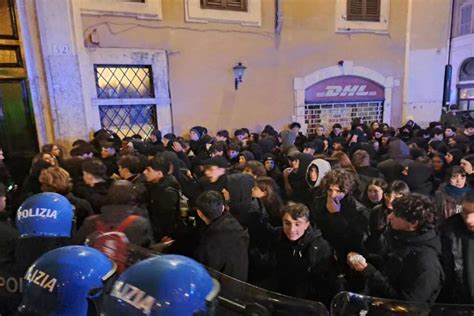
column 278, row 16
column 448, row 69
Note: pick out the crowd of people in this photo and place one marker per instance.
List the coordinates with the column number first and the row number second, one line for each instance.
column 371, row 209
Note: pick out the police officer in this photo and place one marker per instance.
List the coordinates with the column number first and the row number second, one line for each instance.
column 65, row 282
column 163, row 285
column 44, row 223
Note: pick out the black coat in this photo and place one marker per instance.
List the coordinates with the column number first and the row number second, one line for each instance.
column 412, row 268
column 223, row 247
column 261, row 234
column 94, row 195
column 82, row 209
column 163, row 206
column 8, row 239
column 458, row 261
column 378, row 226
column 346, row 230
column 305, row 268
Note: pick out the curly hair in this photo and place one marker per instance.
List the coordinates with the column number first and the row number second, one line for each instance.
column 342, row 178
column 55, row 179
column 416, row 209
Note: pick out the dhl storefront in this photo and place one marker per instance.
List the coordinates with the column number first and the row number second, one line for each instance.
column 341, row 98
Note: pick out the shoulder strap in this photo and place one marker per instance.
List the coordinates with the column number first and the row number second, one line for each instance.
column 126, row 223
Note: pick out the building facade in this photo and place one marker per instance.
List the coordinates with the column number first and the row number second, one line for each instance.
column 134, row 65
column 462, row 55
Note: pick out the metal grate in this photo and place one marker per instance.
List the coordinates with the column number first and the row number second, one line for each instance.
column 128, row 120
column 124, row 82
column 342, row 113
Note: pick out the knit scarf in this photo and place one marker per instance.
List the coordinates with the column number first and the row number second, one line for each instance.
column 456, row 192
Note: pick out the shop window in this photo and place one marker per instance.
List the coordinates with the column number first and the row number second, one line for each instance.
column 233, row 5
column 363, row 10
column 133, row 85
column 465, row 20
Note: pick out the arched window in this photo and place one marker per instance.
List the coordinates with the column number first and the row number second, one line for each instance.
column 466, row 72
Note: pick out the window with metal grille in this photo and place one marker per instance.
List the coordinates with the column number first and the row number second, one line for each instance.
column 127, row 120
column 124, row 82
column 134, row 113
column 363, row 10
column 233, row 5
column 465, row 21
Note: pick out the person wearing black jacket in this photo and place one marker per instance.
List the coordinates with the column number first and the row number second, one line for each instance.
column 457, row 237
column 120, row 211
column 224, row 242
column 343, row 220
column 411, row 270
column 56, row 179
column 304, row 259
column 8, row 234
column 162, row 197
column 94, row 184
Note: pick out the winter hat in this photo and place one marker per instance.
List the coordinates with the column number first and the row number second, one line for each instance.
column 248, row 155
column 397, row 149
column 288, row 137
column 269, row 157
column 198, row 130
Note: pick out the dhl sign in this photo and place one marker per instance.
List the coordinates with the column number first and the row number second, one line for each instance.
column 343, row 89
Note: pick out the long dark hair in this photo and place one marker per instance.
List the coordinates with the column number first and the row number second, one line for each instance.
column 272, row 200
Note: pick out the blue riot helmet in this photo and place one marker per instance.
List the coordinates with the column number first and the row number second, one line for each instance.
column 64, row 281
column 163, row 285
column 45, row 215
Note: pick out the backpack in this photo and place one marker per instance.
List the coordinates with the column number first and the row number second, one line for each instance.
column 112, row 242
column 121, row 227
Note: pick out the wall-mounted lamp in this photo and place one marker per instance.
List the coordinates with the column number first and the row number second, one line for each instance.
column 239, row 70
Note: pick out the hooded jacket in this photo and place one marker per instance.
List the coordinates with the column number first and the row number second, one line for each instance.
column 288, row 139
column 458, row 261
column 413, row 270
column 298, row 179
column 323, row 168
column 398, row 158
column 304, row 268
column 223, row 247
column 314, row 188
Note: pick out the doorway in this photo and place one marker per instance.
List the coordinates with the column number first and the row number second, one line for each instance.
column 18, row 137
